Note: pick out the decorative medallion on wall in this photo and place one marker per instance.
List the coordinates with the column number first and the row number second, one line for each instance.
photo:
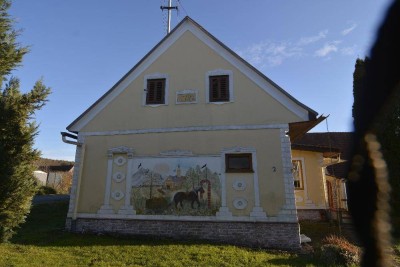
column 239, row 185
column 118, row 177
column 120, row 160
column 240, row 203
column 117, row 195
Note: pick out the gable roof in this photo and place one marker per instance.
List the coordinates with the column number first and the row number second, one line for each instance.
column 188, row 24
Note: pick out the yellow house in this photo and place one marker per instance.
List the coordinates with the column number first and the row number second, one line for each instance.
column 319, row 162
column 192, row 142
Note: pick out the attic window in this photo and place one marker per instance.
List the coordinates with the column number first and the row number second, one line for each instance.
column 219, row 88
column 155, row 91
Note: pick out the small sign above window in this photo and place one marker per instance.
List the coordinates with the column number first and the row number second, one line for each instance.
column 186, row 97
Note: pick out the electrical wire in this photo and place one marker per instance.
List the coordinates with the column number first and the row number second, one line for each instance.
column 180, row 4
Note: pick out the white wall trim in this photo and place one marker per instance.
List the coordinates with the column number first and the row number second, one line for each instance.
column 156, row 75
column 162, row 47
column 187, row 129
column 77, row 177
column 207, row 83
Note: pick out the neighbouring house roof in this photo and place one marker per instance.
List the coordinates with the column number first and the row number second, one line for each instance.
column 336, row 141
column 186, row 24
column 62, row 168
column 328, row 152
column 52, row 165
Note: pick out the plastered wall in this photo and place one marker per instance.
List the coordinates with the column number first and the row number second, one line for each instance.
column 268, row 151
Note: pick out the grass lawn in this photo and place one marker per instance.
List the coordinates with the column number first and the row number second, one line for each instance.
column 42, row 242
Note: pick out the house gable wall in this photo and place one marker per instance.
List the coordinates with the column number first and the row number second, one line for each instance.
column 251, row 104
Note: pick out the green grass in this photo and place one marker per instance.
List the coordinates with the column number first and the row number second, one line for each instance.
column 42, row 242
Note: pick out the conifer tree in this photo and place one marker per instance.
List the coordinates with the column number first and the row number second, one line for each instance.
column 17, row 131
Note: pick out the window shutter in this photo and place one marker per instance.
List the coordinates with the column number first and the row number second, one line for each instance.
column 219, row 88
column 155, row 91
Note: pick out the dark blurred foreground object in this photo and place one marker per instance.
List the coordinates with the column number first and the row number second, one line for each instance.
column 368, row 177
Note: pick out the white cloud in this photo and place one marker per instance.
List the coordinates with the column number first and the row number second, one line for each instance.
column 313, row 39
column 327, row 49
column 349, row 29
column 270, row 53
column 348, row 51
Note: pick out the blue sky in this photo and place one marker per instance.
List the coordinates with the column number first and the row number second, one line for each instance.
column 81, row 48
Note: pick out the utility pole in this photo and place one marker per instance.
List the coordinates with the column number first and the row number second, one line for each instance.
column 168, row 8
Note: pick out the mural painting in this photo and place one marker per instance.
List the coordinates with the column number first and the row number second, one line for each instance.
column 176, row 186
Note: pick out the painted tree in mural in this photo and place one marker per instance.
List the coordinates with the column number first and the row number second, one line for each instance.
column 17, row 131
column 389, row 131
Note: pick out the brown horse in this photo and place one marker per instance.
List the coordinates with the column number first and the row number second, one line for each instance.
column 192, row 196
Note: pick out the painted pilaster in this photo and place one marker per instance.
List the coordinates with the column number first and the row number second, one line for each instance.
column 257, row 209
column 128, row 207
column 223, row 210
column 106, row 208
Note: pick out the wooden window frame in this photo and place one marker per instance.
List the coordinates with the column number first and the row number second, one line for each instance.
column 154, row 97
column 221, row 91
column 247, row 156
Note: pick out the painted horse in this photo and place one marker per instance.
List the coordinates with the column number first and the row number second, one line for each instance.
column 192, row 196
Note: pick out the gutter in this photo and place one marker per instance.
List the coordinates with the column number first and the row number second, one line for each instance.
column 65, row 140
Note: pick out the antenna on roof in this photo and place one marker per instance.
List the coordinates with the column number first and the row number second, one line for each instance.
column 169, row 8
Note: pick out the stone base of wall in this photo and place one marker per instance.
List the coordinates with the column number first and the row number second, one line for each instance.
column 250, row 234
column 313, row 215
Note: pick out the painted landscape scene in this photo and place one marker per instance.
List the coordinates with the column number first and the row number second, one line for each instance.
column 176, row 186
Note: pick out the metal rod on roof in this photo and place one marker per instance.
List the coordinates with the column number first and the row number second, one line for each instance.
column 168, row 8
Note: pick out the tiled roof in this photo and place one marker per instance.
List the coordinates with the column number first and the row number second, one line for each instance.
column 334, row 140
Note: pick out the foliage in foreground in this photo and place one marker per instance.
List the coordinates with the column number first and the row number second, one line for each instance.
column 17, row 131
column 46, row 190
column 338, row 251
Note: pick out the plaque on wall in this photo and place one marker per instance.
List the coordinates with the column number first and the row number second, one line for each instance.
column 186, row 96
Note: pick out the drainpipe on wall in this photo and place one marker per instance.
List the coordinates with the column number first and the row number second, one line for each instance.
column 80, row 146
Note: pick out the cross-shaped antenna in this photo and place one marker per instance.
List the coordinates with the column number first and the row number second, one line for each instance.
column 168, row 8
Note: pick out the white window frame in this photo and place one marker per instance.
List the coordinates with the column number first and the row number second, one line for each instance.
column 303, row 172
column 151, row 77
column 219, row 72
